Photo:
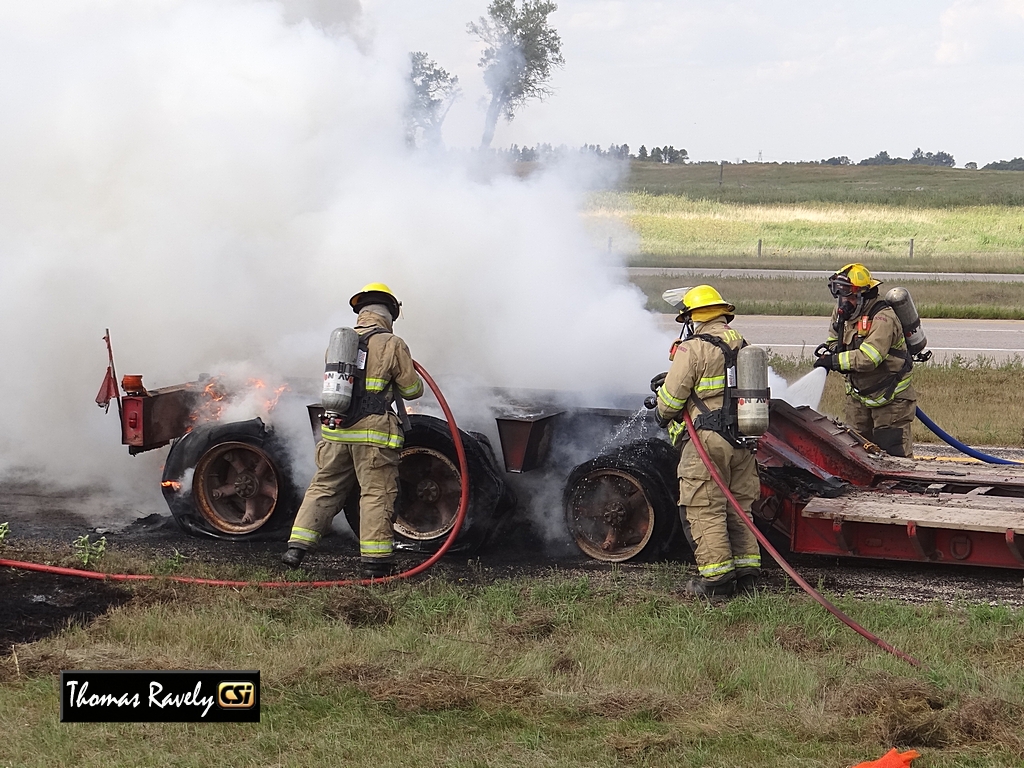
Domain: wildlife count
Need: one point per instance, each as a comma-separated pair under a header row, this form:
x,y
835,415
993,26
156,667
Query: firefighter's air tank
x,y
901,303
339,369
752,391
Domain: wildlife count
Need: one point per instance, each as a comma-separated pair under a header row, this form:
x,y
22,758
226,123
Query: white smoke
x,y
212,179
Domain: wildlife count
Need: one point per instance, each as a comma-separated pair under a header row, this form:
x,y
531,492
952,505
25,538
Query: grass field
x,y
904,186
673,230
815,217
608,669
789,296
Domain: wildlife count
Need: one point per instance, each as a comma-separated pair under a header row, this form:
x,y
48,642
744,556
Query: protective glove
x,y
825,348
663,422
657,381
826,361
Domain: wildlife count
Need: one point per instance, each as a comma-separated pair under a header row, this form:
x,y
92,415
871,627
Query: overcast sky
x,y
791,79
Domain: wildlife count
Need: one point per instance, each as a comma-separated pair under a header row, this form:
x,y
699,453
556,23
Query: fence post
x,y
759,247
911,247
721,170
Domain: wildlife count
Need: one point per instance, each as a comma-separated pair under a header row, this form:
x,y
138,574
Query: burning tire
x,y
622,505
429,489
230,481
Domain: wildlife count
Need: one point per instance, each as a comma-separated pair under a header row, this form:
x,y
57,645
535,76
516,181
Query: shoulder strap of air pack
x,y
365,403
722,420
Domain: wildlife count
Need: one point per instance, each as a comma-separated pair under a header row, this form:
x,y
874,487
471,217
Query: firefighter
x,y
365,448
727,553
866,343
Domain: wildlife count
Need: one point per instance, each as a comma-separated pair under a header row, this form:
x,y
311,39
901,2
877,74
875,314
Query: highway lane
x,y
994,339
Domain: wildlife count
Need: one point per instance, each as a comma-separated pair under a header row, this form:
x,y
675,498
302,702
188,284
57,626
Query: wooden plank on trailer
x,y
926,512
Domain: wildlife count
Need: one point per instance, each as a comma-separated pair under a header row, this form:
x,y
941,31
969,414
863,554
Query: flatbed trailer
x,y
864,503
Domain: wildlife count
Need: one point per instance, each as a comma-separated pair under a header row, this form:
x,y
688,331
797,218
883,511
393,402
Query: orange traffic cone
x,y
892,759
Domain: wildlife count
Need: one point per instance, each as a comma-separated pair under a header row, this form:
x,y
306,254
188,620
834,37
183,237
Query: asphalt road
x,y
809,274
994,339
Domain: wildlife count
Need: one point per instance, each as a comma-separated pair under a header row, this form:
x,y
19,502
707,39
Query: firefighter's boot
x,y
293,557
747,583
710,589
377,567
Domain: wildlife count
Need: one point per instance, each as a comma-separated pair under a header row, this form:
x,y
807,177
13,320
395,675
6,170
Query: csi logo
x,y
232,695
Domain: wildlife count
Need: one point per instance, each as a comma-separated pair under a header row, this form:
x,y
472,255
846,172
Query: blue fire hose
x,y
962,447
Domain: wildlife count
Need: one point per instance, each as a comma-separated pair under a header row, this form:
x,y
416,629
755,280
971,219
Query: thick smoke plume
x,y
212,179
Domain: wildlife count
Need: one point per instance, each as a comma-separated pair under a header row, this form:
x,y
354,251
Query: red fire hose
x,y
459,517
780,560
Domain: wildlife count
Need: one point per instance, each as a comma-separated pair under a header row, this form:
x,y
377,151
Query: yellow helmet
x,y
851,279
376,293
704,297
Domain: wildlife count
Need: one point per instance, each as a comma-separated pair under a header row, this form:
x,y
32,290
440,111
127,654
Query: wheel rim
x,y
236,487
609,515
430,492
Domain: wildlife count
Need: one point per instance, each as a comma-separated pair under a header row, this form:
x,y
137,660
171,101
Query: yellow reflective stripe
x,y
844,361
709,383
375,385
716,569
900,343
748,561
413,391
363,436
376,547
304,534
676,430
875,402
873,354
670,402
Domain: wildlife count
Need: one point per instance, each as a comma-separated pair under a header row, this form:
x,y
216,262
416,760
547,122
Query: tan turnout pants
x,y
725,547
339,466
876,424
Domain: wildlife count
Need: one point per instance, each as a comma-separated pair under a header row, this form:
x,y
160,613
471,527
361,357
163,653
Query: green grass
x,y
606,670
772,184
975,401
674,230
789,296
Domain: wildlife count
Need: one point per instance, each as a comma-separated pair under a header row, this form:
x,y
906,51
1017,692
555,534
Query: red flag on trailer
x,y
108,390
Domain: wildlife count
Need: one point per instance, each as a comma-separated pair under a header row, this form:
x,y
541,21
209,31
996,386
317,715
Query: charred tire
x,y
429,490
231,481
622,505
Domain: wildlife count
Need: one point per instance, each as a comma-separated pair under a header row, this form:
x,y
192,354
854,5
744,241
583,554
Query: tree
x,y
641,154
434,90
928,158
1016,164
521,50
656,155
841,160
672,155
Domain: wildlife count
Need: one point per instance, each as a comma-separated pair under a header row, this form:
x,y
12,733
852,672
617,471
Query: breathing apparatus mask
x,y
687,331
849,298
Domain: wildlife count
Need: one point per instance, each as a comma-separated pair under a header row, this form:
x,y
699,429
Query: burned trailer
x,y
827,491
612,495
603,477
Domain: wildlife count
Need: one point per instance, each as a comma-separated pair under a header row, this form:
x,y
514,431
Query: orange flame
x,y
172,484
271,404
